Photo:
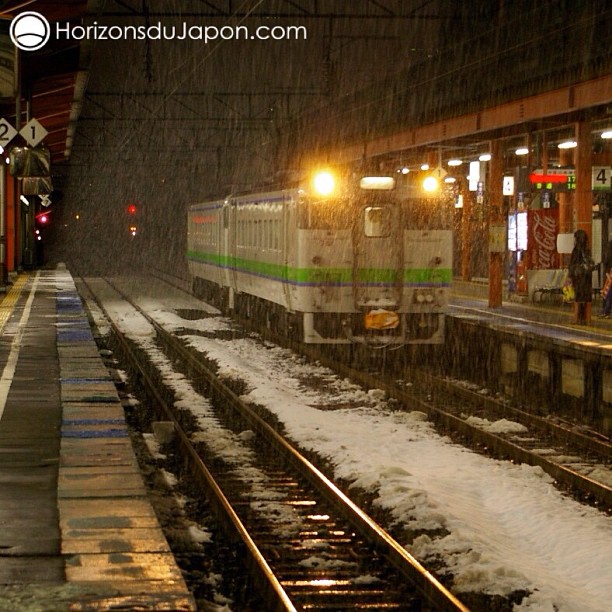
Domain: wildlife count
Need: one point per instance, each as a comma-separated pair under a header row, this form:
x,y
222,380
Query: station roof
x,y
52,79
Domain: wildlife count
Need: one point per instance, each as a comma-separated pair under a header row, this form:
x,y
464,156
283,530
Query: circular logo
x,y
30,31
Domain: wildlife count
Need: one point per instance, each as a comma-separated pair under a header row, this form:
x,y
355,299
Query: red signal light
x,y
131,209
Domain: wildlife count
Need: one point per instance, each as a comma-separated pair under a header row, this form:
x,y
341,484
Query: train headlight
x,y
324,183
430,184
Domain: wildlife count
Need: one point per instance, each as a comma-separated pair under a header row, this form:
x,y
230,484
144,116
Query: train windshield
x,y
427,213
328,214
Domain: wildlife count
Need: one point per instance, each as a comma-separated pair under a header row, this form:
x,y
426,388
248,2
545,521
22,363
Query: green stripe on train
x,y
318,275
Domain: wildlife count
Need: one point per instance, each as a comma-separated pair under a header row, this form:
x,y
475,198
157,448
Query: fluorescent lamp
x,y
568,144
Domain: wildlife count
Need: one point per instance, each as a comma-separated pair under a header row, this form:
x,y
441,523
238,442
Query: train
x,y
327,261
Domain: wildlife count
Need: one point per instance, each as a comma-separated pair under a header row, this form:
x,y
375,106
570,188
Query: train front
x,y
383,279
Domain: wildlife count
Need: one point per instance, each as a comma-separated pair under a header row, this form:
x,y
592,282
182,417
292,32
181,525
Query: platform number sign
x,y
602,178
33,132
7,133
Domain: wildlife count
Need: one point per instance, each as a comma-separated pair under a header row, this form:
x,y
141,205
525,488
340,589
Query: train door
x,y
288,226
229,249
377,256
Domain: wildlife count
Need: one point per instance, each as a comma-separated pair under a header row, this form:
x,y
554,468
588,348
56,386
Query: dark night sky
x,y
167,123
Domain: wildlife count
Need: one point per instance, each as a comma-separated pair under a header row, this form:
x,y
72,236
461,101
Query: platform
x,y
76,528
535,353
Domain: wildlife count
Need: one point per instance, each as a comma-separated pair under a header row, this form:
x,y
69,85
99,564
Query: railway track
x,y
308,546
578,459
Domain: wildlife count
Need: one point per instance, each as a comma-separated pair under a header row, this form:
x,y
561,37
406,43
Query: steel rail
x,y
273,592
502,447
428,585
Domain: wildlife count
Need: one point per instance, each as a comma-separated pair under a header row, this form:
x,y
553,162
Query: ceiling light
x,y
568,144
485,157
522,151
607,134
454,162
405,170
424,166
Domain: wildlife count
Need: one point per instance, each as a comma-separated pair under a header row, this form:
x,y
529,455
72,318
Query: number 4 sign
x,y
601,178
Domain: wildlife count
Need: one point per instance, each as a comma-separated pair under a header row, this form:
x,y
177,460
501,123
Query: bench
x,y
548,284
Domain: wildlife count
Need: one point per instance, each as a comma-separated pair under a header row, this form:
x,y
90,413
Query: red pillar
x,y
466,233
583,199
11,198
496,221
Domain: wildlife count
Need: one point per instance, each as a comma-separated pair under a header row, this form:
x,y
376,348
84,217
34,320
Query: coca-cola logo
x,y
544,234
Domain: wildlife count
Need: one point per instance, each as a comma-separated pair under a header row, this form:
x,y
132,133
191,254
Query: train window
x,y
325,214
268,234
377,221
240,236
259,243
426,214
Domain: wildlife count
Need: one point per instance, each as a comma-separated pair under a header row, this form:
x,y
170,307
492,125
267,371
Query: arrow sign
x,y
45,200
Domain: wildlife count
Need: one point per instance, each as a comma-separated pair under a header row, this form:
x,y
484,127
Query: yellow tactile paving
x,y
7,305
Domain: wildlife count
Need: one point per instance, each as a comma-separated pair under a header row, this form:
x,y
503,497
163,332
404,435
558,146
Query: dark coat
x,y
581,267
608,260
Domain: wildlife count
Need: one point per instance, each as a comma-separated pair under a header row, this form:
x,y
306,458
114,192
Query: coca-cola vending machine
x,y
542,230
532,241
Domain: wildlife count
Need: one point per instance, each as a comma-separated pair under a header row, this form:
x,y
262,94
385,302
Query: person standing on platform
x,y
581,267
606,290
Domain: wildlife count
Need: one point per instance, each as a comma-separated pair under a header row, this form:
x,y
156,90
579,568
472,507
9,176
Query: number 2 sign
x,y
7,133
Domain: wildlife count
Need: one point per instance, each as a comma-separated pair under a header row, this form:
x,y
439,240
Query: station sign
x,y
564,179
508,186
7,133
601,178
33,132
497,238
554,179
438,173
